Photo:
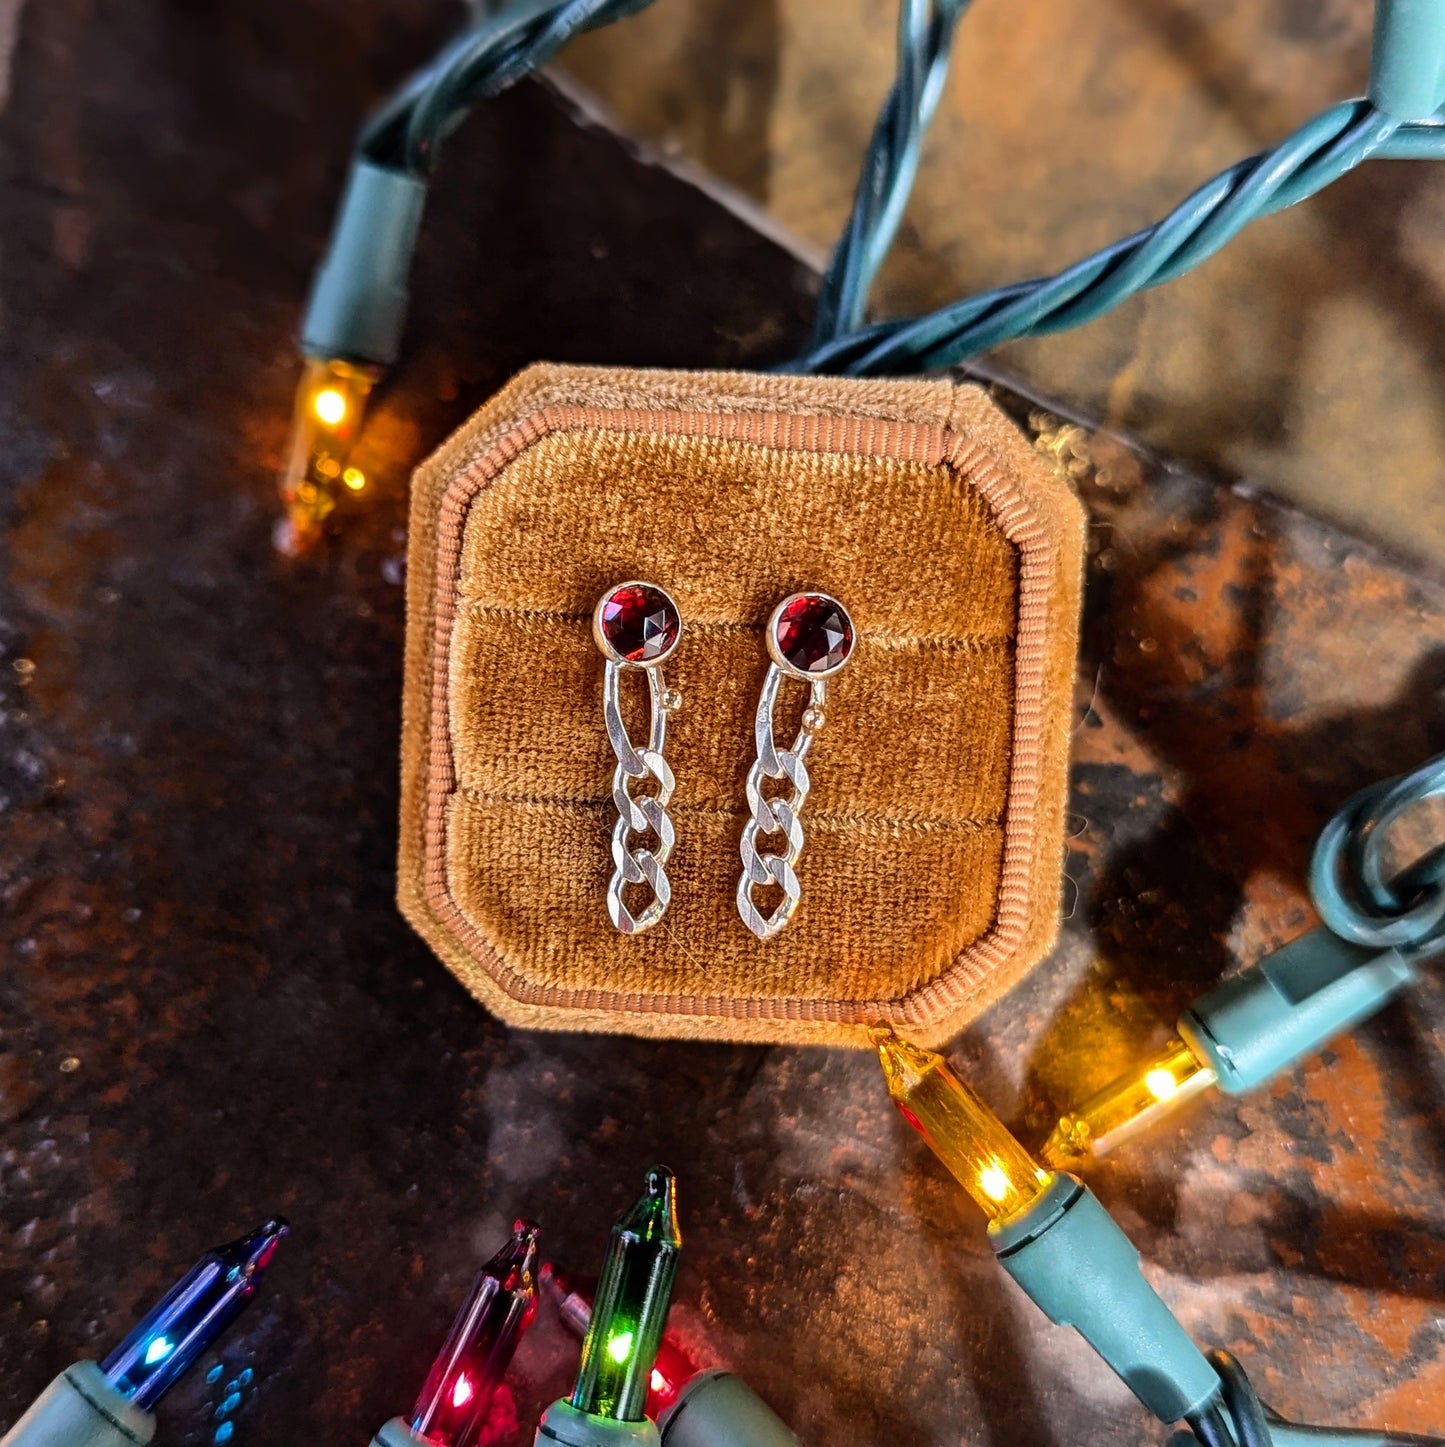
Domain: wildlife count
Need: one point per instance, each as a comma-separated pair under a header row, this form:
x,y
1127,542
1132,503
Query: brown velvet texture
x,y
933,850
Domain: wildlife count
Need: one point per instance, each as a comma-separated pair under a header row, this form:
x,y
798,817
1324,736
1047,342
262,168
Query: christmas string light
x,y
634,1291
191,1315
1128,1105
110,1405
1379,924
353,323
454,1401
673,1367
630,1310
1052,1235
351,331
330,403
693,1405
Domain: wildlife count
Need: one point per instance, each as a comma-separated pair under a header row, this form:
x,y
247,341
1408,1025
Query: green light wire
x,y
498,51
1320,152
358,302
1354,889
1237,1418
890,165
1399,120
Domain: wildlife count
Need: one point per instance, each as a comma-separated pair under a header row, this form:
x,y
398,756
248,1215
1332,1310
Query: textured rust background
x,y
211,1010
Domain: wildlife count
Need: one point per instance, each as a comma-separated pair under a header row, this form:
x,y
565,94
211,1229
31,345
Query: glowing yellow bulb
x,y
330,406
963,1132
994,1181
1133,1102
620,1346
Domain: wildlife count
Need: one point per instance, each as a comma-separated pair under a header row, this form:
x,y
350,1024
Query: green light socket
x,y
1288,1005
717,1409
1407,58
398,1433
562,1425
1069,1255
80,1408
358,301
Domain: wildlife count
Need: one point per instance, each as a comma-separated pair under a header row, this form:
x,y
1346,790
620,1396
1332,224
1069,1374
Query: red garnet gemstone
x,y
814,633
639,622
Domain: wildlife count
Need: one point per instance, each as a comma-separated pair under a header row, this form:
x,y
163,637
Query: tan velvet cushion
x,y
932,862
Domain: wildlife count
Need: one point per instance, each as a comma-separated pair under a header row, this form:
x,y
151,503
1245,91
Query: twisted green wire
x,y
496,53
890,165
1237,1418
1355,890
1320,152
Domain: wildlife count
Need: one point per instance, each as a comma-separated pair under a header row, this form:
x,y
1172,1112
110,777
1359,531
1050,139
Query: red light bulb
x,y
498,1309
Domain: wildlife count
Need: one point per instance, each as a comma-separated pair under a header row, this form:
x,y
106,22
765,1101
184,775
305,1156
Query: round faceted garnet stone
x,y
814,634
639,622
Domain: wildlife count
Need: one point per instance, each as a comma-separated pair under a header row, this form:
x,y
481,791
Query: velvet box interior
x,y
934,829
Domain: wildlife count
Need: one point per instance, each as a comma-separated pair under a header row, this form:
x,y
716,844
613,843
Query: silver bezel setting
x,y
775,651
609,652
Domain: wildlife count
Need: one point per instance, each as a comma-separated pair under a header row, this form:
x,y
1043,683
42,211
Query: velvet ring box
x,y
934,830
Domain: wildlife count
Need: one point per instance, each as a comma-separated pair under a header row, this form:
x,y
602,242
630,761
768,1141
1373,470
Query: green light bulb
x,y
630,1311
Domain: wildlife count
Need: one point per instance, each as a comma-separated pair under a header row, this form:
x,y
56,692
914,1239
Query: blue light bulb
x,y
190,1316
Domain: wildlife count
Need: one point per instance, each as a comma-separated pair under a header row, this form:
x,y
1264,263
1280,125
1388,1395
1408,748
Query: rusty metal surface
x,y
211,1010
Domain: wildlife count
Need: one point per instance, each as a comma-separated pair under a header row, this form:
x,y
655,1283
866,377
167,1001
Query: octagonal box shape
x,y
934,830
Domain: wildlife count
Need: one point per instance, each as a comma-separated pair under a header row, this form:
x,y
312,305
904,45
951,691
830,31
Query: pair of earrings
x,y
637,625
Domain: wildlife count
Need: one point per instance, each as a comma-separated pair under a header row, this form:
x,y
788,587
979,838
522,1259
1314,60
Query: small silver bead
x,y
814,719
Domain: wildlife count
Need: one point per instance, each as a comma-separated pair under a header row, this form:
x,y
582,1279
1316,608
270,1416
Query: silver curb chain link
x,y
637,865
777,815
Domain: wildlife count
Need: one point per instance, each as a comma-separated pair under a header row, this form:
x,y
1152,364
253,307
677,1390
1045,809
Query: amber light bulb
x,y
1129,1105
962,1131
330,403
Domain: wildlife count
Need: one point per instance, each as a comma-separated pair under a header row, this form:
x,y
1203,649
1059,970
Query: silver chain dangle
x,y
636,625
810,638
777,815
634,864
